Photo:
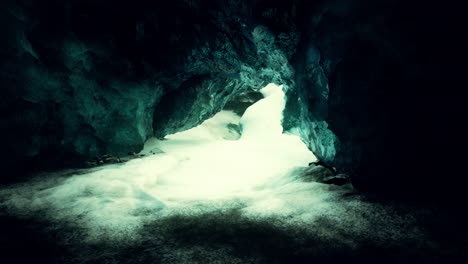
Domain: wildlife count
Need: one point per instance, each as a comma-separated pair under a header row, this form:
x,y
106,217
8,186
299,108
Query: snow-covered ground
x,y
203,168
209,171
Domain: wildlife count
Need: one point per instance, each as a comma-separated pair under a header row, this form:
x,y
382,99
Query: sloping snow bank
x,y
198,169
200,194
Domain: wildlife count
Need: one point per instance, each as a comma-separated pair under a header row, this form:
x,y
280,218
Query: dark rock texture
x,y
81,79
371,85
372,78
241,102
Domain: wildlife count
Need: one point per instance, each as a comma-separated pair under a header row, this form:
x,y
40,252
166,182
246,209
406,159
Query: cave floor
x,y
100,216
317,223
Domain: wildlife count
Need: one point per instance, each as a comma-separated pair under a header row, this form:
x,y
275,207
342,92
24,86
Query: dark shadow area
x,y
229,237
241,102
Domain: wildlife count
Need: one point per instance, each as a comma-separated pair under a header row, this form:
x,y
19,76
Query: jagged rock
x,y
105,159
108,159
321,163
91,163
154,151
241,102
339,179
75,83
234,132
319,173
366,83
316,173
366,102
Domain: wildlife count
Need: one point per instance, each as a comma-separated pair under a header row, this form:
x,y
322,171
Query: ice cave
x,y
231,131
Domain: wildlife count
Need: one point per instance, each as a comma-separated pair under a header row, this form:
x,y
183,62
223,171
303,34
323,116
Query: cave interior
x,y
232,131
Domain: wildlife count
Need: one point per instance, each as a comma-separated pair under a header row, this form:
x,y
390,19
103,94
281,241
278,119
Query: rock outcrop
x,y
82,79
369,83
371,79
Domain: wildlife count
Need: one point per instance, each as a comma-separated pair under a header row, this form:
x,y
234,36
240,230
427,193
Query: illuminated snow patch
x,y
203,185
211,168
200,169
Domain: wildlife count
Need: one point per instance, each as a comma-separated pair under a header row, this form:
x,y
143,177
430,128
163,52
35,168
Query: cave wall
x,y
81,79
373,81
370,84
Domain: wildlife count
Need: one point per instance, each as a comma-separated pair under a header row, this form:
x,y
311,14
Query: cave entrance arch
x,y
229,153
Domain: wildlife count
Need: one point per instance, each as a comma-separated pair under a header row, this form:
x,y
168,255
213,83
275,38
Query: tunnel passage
x,y
374,90
186,171
361,86
208,192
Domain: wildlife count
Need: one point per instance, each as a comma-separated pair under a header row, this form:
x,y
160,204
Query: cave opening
x,y
143,132
229,154
234,189
226,160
